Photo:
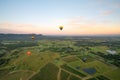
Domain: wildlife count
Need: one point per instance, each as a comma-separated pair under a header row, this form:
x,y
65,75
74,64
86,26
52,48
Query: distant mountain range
x,y
19,36
40,36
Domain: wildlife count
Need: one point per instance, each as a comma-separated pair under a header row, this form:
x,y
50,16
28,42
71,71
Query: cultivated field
x,y
60,59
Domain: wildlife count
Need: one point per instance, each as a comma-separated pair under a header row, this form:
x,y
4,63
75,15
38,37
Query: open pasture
x,y
70,58
99,66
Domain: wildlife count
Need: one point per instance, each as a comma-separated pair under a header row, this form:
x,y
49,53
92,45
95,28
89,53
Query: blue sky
x,y
79,17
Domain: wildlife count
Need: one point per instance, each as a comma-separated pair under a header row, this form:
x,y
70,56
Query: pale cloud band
x,y
78,26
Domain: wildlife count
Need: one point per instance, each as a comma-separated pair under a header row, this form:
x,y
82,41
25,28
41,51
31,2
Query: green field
x,y
64,75
54,59
70,69
49,71
99,66
24,75
70,58
114,74
31,62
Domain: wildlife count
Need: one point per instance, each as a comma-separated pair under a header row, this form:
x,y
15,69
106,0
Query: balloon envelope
x,y
61,27
28,53
33,37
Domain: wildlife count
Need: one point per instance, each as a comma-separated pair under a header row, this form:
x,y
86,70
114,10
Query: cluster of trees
x,y
3,61
113,59
84,43
19,36
2,52
21,44
111,44
62,49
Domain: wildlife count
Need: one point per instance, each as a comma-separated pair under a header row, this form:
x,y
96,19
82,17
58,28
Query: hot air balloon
x,y
33,37
28,53
61,27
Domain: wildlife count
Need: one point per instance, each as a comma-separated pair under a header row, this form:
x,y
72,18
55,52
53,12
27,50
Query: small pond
x,y
90,70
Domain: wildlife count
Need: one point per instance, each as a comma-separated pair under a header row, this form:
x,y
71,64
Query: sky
x,y
78,17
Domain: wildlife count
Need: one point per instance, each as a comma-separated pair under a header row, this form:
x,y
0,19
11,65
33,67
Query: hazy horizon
x,y
78,17
61,35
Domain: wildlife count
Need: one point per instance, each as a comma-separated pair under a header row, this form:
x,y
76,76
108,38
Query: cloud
x,y
17,28
10,31
116,5
92,26
12,25
106,13
81,22
73,26
6,24
25,28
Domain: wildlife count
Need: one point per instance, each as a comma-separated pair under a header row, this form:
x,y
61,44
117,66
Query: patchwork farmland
x,y
66,59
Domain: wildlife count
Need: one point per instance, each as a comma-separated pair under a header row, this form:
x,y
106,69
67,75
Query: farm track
x,y
71,73
31,75
58,75
68,78
86,77
24,70
19,71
